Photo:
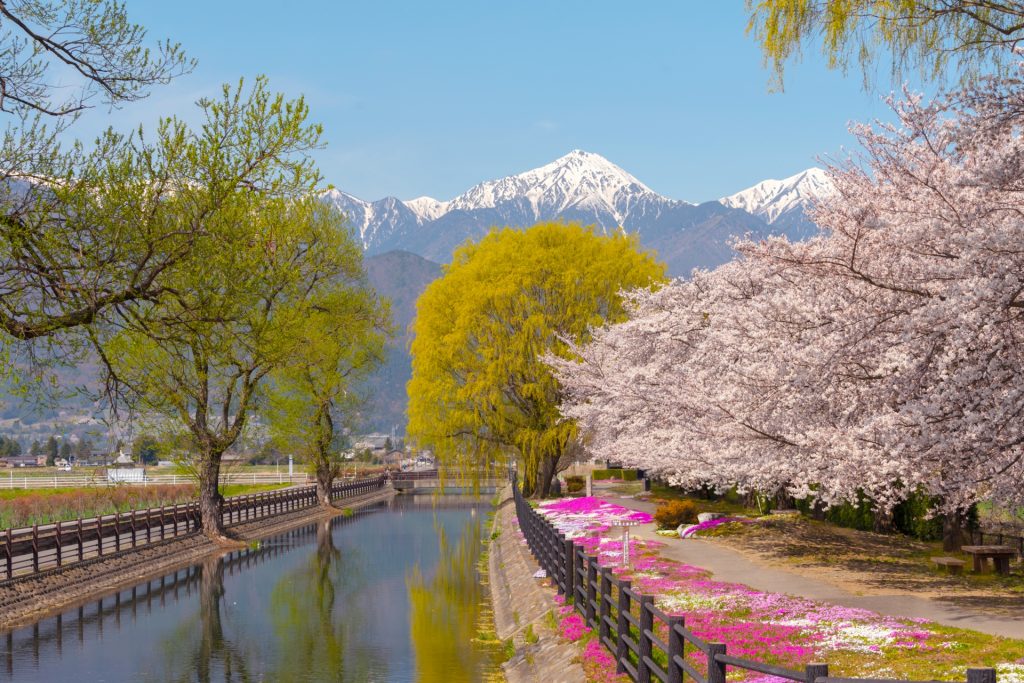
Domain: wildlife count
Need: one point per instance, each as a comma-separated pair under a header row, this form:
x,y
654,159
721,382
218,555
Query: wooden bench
x,y
1000,554
951,564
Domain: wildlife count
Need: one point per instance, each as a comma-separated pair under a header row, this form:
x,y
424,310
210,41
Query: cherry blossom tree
x,y
880,357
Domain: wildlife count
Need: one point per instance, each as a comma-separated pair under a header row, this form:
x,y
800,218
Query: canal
x,y
391,593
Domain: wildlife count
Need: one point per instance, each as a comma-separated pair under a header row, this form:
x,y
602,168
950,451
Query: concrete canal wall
x,y
521,604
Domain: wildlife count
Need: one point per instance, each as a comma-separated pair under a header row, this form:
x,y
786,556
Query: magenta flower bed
x,y
577,516
768,627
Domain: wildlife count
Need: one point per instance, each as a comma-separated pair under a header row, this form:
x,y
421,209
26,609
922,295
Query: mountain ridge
x,y
587,188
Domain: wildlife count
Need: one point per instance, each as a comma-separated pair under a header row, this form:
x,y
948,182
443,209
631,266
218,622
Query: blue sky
x,y
429,98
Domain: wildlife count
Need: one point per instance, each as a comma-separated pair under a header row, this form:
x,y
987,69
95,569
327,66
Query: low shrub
x,y
672,513
575,483
625,475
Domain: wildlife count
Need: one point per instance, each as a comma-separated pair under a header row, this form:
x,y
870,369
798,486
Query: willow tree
x,y
922,35
342,342
479,387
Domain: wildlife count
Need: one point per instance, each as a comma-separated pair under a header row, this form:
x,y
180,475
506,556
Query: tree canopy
x,y
479,388
882,357
922,35
270,252
317,393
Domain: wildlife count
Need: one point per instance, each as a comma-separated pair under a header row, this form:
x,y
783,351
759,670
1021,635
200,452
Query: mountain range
x,y
586,187
406,241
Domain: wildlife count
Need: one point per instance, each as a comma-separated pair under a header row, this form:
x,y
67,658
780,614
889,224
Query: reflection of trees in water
x,y
445,611
313,631
200,651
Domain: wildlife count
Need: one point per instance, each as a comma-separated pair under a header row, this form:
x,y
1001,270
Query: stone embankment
x,y
521,607
27,600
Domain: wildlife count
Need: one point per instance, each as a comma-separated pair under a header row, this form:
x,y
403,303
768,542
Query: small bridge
x,y
446,481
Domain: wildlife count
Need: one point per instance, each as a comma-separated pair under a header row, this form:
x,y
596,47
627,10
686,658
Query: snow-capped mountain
x,y
783,202
584,187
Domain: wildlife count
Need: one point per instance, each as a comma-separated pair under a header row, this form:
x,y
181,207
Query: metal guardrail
x,y
628,623
43,547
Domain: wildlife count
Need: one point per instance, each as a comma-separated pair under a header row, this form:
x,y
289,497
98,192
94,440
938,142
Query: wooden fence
x,y
45,547
647,644
99,479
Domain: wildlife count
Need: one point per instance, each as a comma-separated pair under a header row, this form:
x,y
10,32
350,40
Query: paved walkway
x,y
726,564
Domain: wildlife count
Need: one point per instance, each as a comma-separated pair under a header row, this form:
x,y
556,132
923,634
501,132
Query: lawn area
x,y
773,628
860,561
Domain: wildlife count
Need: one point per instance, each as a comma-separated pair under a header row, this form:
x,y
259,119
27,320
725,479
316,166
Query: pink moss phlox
x,y
576,516
571,627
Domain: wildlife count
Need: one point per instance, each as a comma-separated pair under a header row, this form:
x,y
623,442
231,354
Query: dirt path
x,y
821,562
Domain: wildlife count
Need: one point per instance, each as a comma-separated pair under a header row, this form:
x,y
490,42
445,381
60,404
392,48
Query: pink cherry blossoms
x,y
883,356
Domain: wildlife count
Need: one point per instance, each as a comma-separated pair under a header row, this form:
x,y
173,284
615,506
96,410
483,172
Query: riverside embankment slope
x,y
27,600
521,604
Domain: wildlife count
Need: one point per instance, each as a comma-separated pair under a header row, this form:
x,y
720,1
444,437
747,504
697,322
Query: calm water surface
x,y
390,594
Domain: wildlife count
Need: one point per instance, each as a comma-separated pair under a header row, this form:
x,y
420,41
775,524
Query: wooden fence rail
x,y
43,547
647,644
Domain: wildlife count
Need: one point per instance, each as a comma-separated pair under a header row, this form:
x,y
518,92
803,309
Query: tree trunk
x,y
545,471
954,532
883,521
211,503
324,483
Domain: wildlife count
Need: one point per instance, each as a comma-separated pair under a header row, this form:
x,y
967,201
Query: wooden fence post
x,y
60,549
716,670
622,624
568,553
81,541
676,648
603,597
35,548
643,671
979,675
591,589
10,556
99,534
117,533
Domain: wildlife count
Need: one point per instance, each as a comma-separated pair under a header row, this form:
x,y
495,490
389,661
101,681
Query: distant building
x,y
24,461
375,443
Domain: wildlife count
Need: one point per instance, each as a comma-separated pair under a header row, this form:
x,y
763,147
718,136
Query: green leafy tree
x,y
65,450
52,451
146,450
83,449
67,252
479,386
240,304
9,447
922,35
315,393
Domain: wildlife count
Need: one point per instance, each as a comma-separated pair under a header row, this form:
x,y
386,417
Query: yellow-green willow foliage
x,y
480,389
922,35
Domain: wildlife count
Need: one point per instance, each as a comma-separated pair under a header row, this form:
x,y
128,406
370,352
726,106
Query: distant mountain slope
x,y
783,203
587,188
401,277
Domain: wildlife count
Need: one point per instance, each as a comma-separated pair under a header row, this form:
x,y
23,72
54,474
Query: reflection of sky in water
x,y
308,606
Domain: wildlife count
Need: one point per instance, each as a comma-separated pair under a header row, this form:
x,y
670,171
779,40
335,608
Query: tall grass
x,y
25,508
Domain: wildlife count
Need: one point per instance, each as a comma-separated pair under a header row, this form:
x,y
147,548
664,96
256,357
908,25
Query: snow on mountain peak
x,y
771,199
427,208
578,179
